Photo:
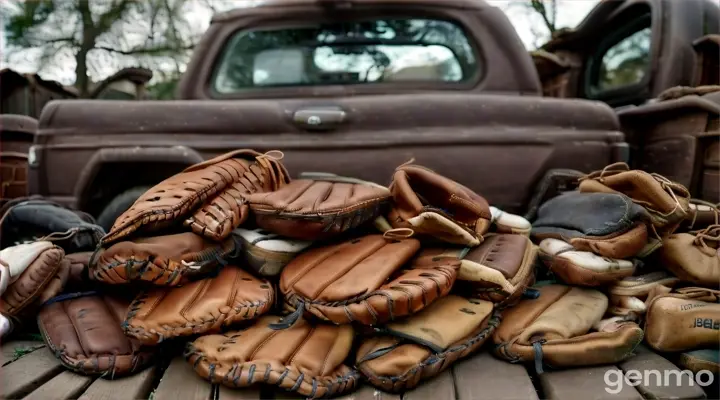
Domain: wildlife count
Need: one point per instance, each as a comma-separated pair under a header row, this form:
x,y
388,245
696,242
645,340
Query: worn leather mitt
x,y
198,307
83,330
209,197
306,359
268,253
39,263
666,201
79,276
630,296
505,222
607,224
433,205
162,260
406,352
687,319
694,257
312,209
556,329
32,219
582,268
364,280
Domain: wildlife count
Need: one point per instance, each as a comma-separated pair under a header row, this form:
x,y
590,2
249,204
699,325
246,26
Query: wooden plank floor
x,y
30,371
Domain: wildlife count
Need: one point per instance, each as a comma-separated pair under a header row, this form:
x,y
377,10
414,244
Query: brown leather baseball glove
x,y
306,359
311,209
83,331
687,319
563,327
582,268
363,280
406,352
209,196
198,307
629,297
433,205
694,256
161,260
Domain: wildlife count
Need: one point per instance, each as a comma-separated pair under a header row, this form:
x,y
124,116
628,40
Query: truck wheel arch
x,y
98,182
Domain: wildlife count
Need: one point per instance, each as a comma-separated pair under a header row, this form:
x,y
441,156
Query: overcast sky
x,y
528,25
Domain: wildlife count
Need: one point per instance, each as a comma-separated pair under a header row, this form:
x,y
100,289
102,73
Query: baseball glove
x,y
162,260
629,297
666,201
306,359
505,222
433,205
582,268
687,319
417,348
268,253
83,332
209,196
555,330
39,263
311,209
198,307
694,257
363,280
607,224
79,278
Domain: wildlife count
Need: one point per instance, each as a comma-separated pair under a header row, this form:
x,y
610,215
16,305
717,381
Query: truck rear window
x,y
362,52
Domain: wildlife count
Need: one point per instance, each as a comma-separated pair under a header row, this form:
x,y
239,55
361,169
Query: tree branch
x,y
146,50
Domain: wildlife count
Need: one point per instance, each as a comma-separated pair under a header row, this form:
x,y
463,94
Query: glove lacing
x,y
711,233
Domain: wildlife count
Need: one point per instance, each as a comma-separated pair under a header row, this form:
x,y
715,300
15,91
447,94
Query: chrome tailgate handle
x,y
321,118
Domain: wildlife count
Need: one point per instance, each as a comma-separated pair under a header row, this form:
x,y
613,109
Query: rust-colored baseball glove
x,y
367,280
311,209
406,352
198,307
433,205
307,359
83,331
169,260
209,197
582,268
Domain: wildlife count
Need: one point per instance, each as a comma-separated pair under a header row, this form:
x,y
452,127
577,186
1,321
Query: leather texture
x,y
202,196
687,319
198,307
83,332
162,260
630,296
268,253
500,269
701,214
368,280
582,268
433,205
666,201
505,222
308,209
694,257
79,270
403,354
701,360
43,262
608,224
306,359
556,329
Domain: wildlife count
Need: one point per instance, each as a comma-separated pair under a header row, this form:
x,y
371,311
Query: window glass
x,y
627,62
386,50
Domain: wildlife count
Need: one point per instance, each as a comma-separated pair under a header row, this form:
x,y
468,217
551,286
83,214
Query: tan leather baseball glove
x,y
209,197
268,253
564,328
169,260
433,205
83,332
630,296
686,319
311,209
307,359
408,351
582,268
198,307
694,257
367,280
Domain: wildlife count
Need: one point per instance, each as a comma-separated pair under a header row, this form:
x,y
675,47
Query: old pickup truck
x,y
356,87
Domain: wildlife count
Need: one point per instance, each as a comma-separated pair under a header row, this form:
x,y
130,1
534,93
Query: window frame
x,y
476,76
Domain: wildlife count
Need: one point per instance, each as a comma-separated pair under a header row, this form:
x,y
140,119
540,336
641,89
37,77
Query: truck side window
x,y
627,62
355,52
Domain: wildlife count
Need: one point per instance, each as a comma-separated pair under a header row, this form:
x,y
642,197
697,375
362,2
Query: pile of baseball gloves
x,y
317,283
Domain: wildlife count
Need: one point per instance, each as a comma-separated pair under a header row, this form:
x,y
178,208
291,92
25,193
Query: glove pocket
x,y
401,354
679,322
199,307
